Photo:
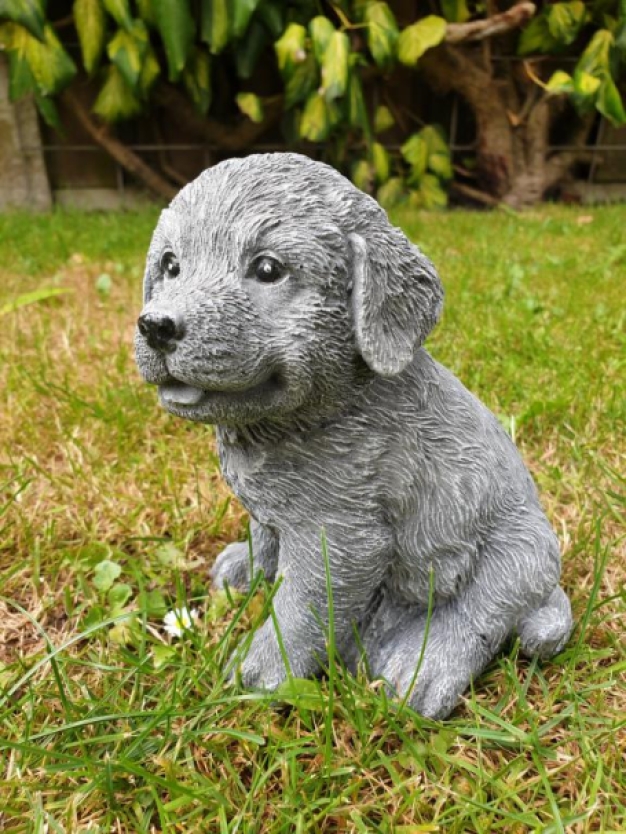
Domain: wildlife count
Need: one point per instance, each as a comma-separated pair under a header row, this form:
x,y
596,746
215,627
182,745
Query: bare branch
x,y
101,133
478,30
474,194
229,137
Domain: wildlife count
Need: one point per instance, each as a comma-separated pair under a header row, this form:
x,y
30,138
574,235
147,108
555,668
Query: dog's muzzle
x,y
160,331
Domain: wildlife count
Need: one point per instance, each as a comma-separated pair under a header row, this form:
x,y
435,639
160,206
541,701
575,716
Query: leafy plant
x,y
327,56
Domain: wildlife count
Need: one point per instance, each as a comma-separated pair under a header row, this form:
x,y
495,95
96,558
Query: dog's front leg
x,y
301,605
238,562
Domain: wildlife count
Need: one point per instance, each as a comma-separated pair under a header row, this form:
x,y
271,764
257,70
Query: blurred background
x,y
109,103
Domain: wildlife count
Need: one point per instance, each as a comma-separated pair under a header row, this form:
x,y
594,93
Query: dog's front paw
x,y
232,567
263,666
446,670
440,686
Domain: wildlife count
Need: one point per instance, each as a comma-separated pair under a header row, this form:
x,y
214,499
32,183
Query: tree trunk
x,y
513,122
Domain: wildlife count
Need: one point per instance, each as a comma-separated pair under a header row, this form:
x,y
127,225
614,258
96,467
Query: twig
x,y
474,194
229,137
477,30
101,133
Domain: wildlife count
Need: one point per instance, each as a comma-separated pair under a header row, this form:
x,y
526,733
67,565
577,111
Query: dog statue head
x,y
273,288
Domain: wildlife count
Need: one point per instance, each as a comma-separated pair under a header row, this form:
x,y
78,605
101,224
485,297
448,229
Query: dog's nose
x,y
160,331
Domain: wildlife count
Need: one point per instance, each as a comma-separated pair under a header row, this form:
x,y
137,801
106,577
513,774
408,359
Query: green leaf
x,y
215,24
176,28
290,48
146,12
33,297
251,105
565,20
21,78
584,84
391,193
303,80
116,100
433,194
382,33
439,161
152,604
430,194
49,63
336,66
162,655
301,692
250,49
383,120
415,40
150,71
90,21
362,175
357,110
415,151
104,284
536,37
559,82
118,596
380,163
95,615
106,572
120,12
171,556
197,80
321,30
47,109
271,14
242,12
317,118
219,606
455,11
127,50
609,102
124,633
595,60
619,38
26,13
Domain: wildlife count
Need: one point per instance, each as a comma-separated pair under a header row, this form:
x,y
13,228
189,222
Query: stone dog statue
x,y
282,306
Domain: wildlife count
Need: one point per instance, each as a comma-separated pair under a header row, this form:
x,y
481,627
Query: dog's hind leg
x,y
514,585
234,565
545,630
430,662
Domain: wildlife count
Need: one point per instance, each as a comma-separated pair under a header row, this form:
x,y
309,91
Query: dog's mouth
x,y
180,395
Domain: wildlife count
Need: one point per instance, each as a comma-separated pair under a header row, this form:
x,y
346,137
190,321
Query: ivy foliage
x,y
127,45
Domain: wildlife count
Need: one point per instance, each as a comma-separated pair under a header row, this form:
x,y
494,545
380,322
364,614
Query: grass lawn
x,y
112,512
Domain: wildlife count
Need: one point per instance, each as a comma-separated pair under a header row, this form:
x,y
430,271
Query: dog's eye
x,y
267,270
169,265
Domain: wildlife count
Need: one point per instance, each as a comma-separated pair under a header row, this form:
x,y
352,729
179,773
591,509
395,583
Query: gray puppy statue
x,y
282,306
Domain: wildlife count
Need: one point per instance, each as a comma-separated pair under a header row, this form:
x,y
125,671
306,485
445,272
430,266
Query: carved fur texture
x,y
282,305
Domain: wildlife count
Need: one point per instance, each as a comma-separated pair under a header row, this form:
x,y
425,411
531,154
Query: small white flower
x,y
179,620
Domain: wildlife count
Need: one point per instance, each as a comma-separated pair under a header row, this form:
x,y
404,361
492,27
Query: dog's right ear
x,y
397,297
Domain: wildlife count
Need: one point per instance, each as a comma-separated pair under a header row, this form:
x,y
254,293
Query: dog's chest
x,y
263,480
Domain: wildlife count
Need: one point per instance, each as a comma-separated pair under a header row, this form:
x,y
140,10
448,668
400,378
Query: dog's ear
x,y
397,297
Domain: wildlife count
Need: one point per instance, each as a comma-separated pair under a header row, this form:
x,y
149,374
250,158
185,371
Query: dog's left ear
x,y
397,297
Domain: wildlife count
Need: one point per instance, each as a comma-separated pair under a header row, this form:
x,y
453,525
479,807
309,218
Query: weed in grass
x,y
111,512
